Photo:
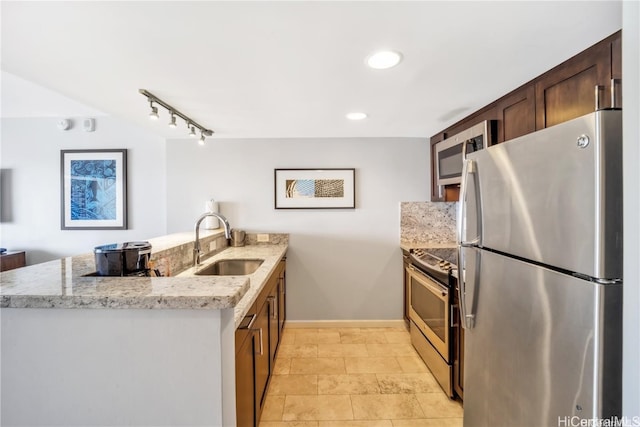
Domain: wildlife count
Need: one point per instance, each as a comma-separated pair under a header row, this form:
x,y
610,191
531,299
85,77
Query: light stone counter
x,y
407,246
272,254
168,340
64,283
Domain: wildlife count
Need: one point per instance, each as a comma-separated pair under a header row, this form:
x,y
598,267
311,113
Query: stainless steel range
x,y
433,273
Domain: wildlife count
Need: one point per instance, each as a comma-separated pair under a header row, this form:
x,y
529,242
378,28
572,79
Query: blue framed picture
x,y
94,189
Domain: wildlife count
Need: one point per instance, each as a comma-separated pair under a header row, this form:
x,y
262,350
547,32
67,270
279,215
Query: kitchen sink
x,y
231,267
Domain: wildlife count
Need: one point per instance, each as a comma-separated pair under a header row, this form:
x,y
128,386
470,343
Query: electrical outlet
x,y
263,237
213,245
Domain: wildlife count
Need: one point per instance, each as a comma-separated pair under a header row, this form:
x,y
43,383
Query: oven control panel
x,y
439,263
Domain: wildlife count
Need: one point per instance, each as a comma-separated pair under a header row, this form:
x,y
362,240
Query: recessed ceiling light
x,y
356,116
384,59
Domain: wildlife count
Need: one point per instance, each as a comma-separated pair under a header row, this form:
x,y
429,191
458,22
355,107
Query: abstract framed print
x,y
93,189
315,189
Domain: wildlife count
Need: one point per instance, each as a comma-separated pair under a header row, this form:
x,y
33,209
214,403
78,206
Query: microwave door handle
x,y
465,143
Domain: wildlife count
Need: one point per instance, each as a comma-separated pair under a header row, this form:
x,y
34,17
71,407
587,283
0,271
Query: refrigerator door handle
x,y
467,318
462,210
468,168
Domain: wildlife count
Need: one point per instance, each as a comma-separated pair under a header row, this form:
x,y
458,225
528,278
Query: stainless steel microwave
x,y
452,151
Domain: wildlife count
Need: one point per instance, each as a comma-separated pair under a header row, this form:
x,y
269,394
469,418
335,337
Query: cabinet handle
x,y
252,329
614,98
598,88
261,345
273,302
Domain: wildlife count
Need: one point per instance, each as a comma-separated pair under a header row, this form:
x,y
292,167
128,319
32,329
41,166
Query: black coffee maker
x,y
123,259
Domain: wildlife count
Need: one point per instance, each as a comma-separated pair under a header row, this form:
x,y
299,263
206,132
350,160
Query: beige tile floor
x,y
354,377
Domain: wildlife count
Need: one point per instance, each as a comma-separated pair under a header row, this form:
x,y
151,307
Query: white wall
x,y
631,147
86,367
30,203
342,264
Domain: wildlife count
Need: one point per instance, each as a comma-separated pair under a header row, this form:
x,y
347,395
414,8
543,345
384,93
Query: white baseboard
x,y
346,324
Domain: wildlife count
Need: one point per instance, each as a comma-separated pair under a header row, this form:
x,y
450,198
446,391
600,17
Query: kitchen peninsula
x,y
78,349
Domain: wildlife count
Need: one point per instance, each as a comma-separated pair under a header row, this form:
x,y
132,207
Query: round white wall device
x,y
64,124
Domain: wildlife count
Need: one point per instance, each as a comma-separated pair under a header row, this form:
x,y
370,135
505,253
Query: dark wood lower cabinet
x,y
257,341
458,349
262,354
274,333
406,281
283,298
245,385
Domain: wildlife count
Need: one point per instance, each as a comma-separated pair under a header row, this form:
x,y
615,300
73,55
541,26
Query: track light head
x,y
192,132
201,141
153,115
172,123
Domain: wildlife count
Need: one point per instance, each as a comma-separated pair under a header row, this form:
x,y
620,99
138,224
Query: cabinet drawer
x,y
243,332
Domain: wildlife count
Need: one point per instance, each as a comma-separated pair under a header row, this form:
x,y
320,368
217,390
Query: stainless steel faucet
x,y
196,244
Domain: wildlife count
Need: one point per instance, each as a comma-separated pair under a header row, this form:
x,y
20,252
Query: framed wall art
x,y
315,189
93,189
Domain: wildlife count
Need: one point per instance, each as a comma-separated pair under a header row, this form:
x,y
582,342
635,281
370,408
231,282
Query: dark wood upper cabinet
x,y
516,113
576,87
588,81
616,68
437,191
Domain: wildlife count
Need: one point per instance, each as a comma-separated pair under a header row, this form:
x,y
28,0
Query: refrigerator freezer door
x,y
555,196
545,346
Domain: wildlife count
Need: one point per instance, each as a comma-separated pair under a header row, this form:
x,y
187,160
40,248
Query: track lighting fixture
x,y
191,124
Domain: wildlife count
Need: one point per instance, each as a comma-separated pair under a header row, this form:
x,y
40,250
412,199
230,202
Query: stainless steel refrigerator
x,y
540,270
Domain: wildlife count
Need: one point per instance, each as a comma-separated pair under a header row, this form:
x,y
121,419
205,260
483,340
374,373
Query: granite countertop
x,y
407,246
272,254
64,283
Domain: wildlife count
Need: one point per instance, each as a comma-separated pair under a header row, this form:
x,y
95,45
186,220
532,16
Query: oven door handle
x,y
429,284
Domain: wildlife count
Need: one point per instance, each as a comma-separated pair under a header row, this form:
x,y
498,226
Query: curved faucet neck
x,y
196,243
225,223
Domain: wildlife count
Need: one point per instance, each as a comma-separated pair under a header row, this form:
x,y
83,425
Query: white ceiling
x,y
289,69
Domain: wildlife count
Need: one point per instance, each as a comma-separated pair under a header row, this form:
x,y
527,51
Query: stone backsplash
x,y
423,223
274,239
176,258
